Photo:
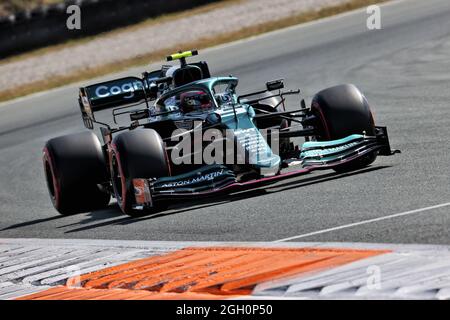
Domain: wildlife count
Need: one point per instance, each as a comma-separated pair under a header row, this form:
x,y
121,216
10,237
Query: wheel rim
x,y
321,123
49,178
117,180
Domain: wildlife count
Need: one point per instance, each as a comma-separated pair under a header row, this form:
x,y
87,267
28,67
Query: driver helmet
x,y
195,101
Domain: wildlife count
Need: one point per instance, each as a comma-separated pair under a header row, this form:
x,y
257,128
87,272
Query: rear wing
x,y
129,91
110,94
115,93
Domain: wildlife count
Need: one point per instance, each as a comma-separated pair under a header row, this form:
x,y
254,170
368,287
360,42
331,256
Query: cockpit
x,y
199,98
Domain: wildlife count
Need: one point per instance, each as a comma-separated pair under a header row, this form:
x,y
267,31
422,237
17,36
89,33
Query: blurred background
x,y
30,24
9,7
38,51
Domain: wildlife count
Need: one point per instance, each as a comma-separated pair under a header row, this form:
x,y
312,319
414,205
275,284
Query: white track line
x,y
365,222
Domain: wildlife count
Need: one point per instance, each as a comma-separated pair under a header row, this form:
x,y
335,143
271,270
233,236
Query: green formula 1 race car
x,y
190,135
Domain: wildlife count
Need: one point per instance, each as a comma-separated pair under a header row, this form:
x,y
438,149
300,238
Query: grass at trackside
x,y
160,54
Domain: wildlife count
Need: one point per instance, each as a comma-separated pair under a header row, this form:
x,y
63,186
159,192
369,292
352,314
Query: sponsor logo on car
x,y
128,88
205,177
327,151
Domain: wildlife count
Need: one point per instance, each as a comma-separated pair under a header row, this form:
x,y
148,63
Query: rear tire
x,y
136,154
342,111
75,168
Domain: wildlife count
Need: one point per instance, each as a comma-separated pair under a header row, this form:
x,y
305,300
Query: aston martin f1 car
x,y
189,135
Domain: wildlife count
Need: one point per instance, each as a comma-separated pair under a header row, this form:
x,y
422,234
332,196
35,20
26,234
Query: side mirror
x,y
303,104
275,85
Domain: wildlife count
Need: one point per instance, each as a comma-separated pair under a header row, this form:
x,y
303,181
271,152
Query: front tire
x,y
136,154
75,170
342,111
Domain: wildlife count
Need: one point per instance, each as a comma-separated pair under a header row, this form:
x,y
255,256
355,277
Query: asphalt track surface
x,y
404,71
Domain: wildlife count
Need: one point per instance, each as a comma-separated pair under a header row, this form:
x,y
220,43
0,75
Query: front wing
x,y
220,179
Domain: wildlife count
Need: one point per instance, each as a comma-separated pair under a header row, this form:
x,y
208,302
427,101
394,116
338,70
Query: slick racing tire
x,y
136,154
342,111
75,170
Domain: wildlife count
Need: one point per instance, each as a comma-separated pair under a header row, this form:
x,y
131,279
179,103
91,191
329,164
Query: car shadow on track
x,y
108,213
31,223
174,209
112,211
190,205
